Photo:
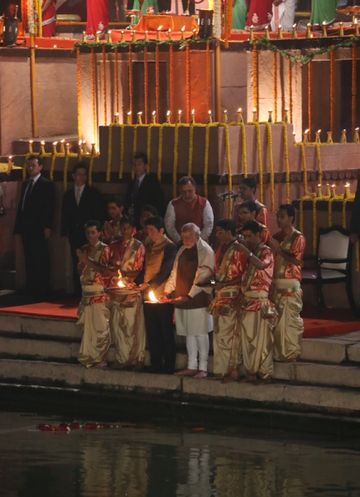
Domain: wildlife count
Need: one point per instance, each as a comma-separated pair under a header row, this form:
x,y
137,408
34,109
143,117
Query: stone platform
x,y
43,352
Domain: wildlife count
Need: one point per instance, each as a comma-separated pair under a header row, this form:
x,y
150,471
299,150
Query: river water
x,y
152,461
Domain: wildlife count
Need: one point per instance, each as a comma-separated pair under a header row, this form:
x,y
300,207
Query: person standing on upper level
x,y
189,207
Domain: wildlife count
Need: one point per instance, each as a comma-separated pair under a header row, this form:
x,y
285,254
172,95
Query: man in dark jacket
x,y
144,189
80,203
34,220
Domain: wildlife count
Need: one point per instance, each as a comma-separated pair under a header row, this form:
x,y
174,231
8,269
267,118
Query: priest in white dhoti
x,y
193,268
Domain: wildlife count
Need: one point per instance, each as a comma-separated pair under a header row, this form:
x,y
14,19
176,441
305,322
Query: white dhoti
x,y
95,342
290,326
195,325
127,326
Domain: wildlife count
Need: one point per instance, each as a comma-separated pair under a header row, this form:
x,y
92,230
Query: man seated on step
x,y
252,346
229,267
247,192
288,246
188,288
188,207
247,211
93,311
126,306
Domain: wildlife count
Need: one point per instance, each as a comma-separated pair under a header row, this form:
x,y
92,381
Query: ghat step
x,y
287,396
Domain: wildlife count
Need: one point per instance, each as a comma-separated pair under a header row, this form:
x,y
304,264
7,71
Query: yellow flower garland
x,y
160,152
191,147
244,162
206,158
314,225
122,151
148,144
286,162
271,164
304,167
176,158
109,154
319,161
228,163
260,161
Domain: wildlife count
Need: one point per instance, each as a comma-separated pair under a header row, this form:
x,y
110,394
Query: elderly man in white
x,y
186,287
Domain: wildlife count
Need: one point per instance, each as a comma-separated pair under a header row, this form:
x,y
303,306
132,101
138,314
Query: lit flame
x,y
120,282
152,297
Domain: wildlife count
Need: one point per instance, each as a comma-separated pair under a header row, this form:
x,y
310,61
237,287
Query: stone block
x,y
353,352
323,350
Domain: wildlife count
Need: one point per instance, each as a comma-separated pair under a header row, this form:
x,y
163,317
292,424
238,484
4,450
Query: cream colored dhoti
x,y
95,342
257,340
290,326
128,331
224,332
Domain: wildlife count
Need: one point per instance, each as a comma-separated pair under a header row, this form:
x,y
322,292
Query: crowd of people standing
x,y
147,267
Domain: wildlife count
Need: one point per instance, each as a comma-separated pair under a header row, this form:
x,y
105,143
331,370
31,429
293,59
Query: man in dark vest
x,y
34,222
189,207
80,203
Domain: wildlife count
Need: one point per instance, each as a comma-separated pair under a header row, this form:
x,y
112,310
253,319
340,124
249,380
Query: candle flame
x,y
121,284
152,297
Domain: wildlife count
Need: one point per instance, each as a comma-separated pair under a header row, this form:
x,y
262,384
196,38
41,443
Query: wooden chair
x,y
333,262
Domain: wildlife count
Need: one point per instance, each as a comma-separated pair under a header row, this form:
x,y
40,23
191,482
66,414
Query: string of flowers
x,y
160,152
187,82
93,92
275,85
78,92
228,15
228,164
244,161
259,161
122,151
104,85
319,161
206,158
109,153
286,161
291,102
332,90
304,167
314,225
171,78
146,85
130,78
157,80
176,158
271,164
117,85
191,147
353,86
208,69
309,97
52,165
135,137
255,67
148,143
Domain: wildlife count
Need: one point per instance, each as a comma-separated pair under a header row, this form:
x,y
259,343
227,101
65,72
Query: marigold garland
x,y
157,80
206,158
309,98
160,152
117,82
148,144
176,158
301,215
304,167
208,70
332,90
146,85
255,69
187,82
244,161
353,86
109,153
271,165
275,85
122,151
66,169
78,92
191,148
228,163
314,225
291,100
52,166
104,85
130,78
135,136
259,161
171,79
286,161
343,213
319,161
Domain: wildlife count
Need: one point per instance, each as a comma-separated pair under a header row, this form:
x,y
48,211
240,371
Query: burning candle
x,y
255,118
93,150
193,115
116,118
294,31
152,297
319,191
182,32
62,146
169,34
54,147
347,193
239,116
31,150
324,28
225,116
328,190
333,191
168,116
179,115
306,136
158,32
153,116
318,136
42,148
356,136
108,37
270,119
280,31
139,117
343,138
329,138
210,116
129,117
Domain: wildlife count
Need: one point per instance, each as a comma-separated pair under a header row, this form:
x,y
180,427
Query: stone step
x,y
275,395
21,146
332,350
299,372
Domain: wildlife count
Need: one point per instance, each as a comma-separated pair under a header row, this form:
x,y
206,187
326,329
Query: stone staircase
x,y
43,351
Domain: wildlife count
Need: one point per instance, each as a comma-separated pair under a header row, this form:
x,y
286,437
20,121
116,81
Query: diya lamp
x,y
255,116
239,116
225,116
139,117
306,136
329,138
270,118
210,119
153,115
129,117
168,116
179,116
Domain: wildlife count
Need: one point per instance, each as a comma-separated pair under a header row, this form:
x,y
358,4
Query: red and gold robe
x,y
287,296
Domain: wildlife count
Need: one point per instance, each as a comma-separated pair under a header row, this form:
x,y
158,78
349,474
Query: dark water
x,y
150,461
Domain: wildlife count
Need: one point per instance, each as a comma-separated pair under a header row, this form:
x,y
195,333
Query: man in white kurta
x,y
194,265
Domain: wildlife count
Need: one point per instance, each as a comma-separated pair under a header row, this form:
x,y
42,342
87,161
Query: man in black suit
x,y
144,189
34,221
80,203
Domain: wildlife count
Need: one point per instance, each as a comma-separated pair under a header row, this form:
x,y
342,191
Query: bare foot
x,y
186,372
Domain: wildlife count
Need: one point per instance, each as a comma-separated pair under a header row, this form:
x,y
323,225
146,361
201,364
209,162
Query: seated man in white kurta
x,y
194,265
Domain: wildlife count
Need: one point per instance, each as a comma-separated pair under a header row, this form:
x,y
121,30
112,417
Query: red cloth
x,y
259,13
97,16
49,20
189,212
